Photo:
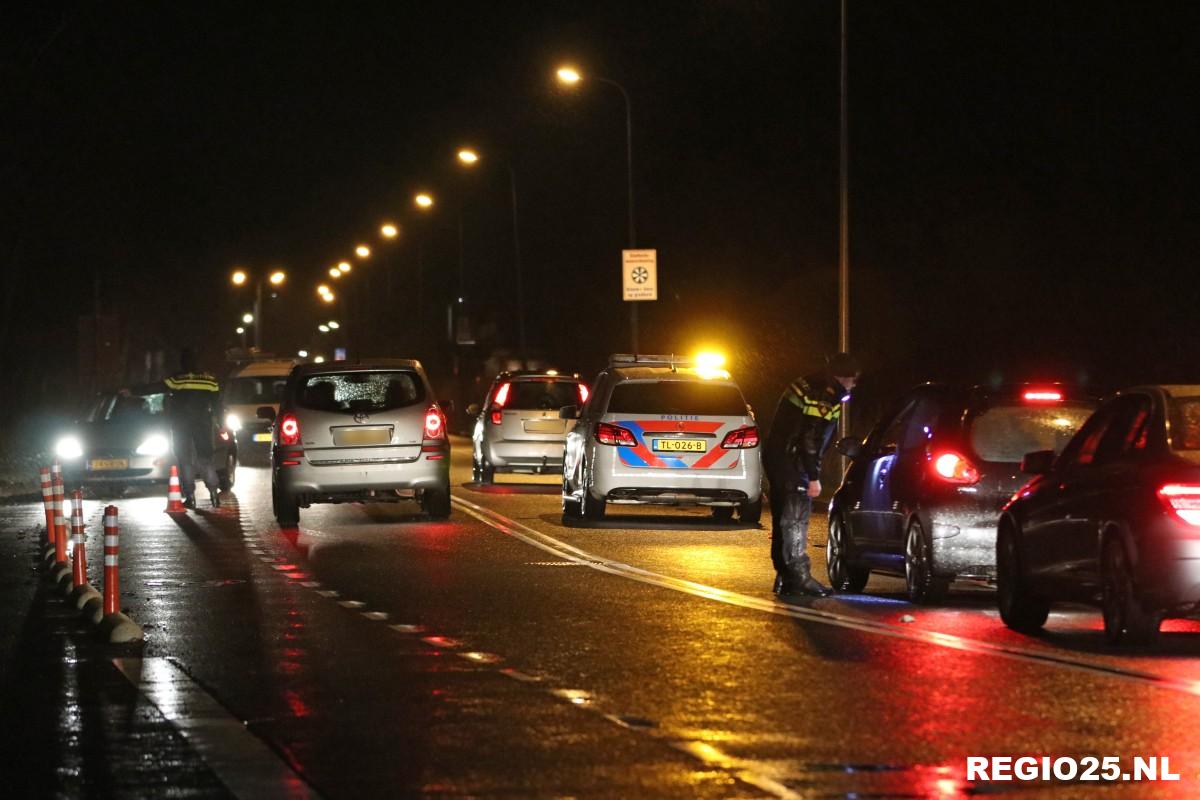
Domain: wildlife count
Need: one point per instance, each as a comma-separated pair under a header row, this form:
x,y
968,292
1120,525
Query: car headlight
x,y
154,445
232,422
68,447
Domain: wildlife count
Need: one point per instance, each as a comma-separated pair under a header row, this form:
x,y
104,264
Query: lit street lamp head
x,y
568,76
362,251
389,231
328,297
344,267
238,277
247,318
323,289
277,277
423,200
334,272
468,156
323,328
240,329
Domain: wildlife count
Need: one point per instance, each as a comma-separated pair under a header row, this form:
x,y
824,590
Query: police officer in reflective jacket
x,y
804,425
193,408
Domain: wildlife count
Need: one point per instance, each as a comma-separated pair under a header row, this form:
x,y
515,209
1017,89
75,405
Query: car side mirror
x,y
473,410
849,447
568,412
265,412
1038,462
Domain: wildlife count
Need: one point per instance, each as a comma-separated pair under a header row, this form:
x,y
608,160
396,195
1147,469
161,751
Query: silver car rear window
x,y
366,392
1005,433
694,398
542,394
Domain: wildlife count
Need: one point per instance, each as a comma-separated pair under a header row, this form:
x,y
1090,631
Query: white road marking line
x,y
376,616
481,658
327,592
549,544
442,641
241,760
311,584
398,628
352,604
517,675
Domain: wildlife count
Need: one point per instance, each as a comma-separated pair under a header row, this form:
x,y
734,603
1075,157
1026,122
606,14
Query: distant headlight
x,y
155,445
68,447
232,422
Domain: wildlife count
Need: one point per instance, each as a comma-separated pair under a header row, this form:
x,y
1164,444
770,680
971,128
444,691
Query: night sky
x,y
1023,178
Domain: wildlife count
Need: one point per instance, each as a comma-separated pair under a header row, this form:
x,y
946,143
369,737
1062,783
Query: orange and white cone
x,y
81,591
175,494
114,626
48,502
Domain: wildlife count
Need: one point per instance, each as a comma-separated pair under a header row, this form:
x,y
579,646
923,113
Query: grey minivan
x,y
358,432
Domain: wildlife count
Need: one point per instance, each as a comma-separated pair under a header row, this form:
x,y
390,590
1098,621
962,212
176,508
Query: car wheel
x,y
722,513
287,510
1125,620
751,513
487,474
475,471
1019,608
436,503
592,508
923,586
844,576
227,476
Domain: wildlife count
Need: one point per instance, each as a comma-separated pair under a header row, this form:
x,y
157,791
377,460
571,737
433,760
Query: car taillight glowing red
x,y
583,392
607,433
742,437
1183,501
501,395
289,430
953,468
1042,396
435,424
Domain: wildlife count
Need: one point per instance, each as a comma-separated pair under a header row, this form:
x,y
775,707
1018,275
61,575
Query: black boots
x,y
806,584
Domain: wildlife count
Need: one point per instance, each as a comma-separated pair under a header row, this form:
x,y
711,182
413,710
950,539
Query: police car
x,y
660,430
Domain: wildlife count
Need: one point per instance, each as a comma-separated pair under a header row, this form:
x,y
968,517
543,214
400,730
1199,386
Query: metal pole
x,y
843,218
633,306
512,184
258,315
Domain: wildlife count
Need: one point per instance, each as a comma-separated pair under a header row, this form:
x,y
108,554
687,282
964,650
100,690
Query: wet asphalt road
x,y
499,654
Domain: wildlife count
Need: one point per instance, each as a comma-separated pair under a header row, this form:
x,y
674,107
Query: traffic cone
x,y
48,502
114,625
62,570
175,494
82,591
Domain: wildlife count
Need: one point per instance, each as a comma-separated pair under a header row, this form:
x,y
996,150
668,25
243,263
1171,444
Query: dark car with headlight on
x,y
924,491
124,439
1113,521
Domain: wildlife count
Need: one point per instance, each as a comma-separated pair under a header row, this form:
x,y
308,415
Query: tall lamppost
x,y
424,203
275,278
469,158
569,76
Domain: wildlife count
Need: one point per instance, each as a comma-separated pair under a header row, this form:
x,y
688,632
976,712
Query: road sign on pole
x,y
639,275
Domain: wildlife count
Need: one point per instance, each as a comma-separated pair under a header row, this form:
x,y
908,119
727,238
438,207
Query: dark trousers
x,y
192,461
791,508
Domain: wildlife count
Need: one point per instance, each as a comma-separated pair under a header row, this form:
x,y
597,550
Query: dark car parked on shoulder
x,y
924,490
1113,521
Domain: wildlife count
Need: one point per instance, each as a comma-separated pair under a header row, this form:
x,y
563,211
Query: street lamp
x,y
247,318
335,273
362,251
323,328
389,231
333,324
424,201
569,76
239,278
470,158
344,267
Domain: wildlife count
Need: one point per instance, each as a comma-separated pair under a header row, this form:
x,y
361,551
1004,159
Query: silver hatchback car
x,y
518,427
363,432
663,431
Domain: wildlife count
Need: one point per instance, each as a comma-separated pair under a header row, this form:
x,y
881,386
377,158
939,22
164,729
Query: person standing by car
x,y
804,424
193,410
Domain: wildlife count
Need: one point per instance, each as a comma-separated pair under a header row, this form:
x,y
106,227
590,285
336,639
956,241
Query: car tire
x,y
722,513
1126,621
227,476
487,474
1020,609
923,586
751,513
844,575
436,503
286,508
592,508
